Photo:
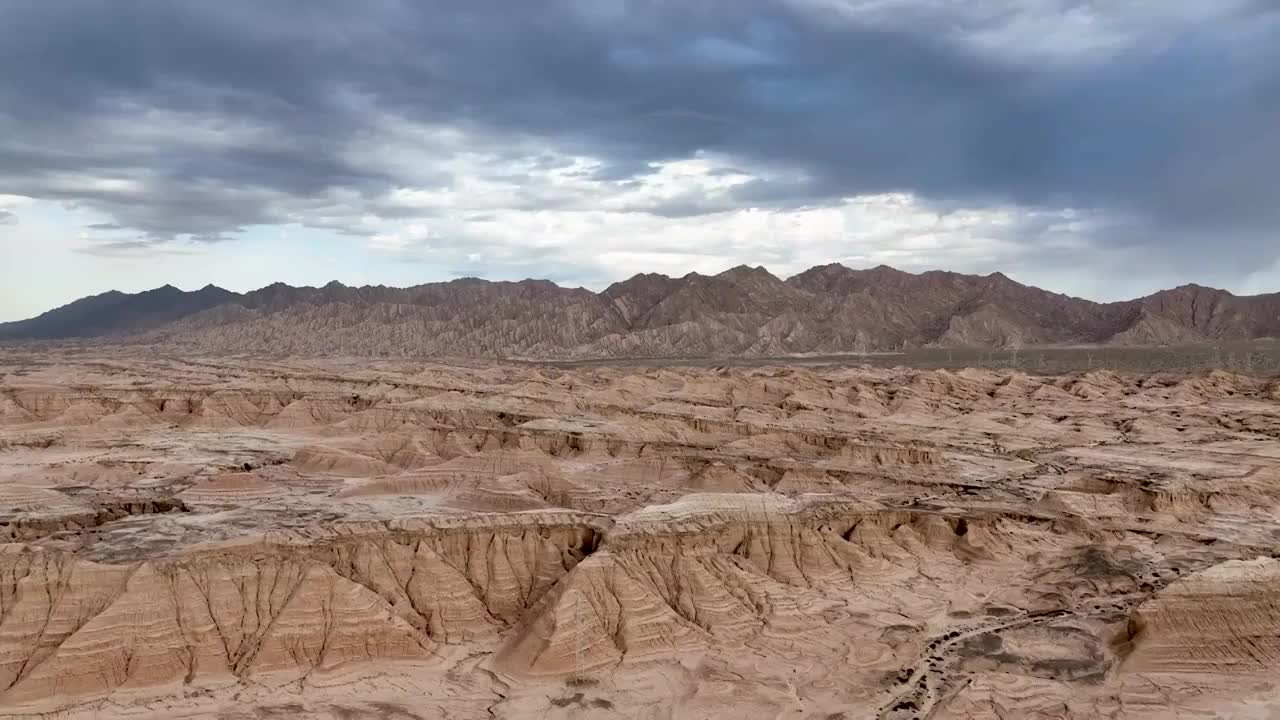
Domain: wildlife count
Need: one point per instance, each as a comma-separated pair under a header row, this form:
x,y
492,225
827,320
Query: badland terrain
x,y
192,536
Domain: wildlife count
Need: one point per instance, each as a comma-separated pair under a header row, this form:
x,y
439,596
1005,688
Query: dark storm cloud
x,y
1176,135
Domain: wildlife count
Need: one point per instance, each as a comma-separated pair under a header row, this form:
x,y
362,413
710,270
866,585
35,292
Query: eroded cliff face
x,y
230,540
203,625
268,614
555,595
732,569
1225,619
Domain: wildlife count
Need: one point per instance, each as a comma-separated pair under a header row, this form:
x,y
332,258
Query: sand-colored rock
x,y
1225,619
245,539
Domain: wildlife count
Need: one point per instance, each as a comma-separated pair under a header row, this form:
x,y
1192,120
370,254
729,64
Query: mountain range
x,y
743,311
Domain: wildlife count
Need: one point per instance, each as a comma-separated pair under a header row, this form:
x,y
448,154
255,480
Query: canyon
x,y
237,538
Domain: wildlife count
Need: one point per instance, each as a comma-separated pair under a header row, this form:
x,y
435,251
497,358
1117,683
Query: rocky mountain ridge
x,y
743,311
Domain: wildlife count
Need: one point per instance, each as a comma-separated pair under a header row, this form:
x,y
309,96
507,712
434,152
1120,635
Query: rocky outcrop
x,y
1225,619
726,569
72,630
28,513
205,623
564,594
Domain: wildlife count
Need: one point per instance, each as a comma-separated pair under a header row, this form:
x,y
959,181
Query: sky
x,y
1102,148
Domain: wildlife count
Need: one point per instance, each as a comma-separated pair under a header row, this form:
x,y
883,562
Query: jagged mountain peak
x,y
744,310
747,271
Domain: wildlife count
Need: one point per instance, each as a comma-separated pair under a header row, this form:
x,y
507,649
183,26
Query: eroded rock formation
x,y
241,539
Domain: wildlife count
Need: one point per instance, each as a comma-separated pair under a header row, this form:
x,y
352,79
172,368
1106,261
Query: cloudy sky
x,y
1103,148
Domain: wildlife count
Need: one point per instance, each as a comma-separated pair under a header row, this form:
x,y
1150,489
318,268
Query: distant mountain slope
x,y
115,312
742,311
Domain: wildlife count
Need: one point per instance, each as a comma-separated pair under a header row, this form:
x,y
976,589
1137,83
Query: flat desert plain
x,y
241,539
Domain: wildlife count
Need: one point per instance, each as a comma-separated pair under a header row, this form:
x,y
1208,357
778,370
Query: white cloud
x,y
518,207
445,171
1264,280
14,202
604,245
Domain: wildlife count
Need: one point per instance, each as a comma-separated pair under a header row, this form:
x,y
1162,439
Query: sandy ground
x,y
347,539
